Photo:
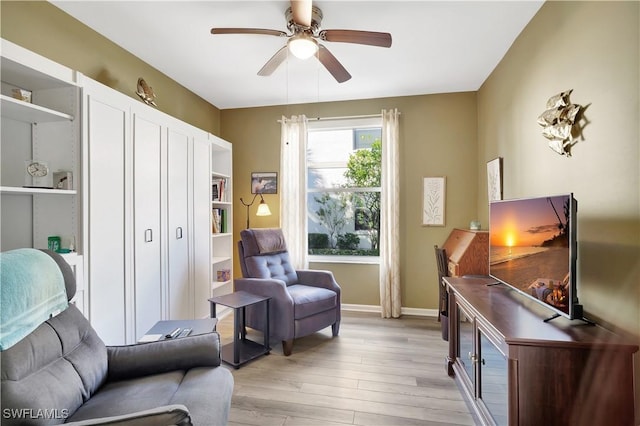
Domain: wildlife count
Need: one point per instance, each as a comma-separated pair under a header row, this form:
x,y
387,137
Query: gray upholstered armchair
x,y
302,301
55,368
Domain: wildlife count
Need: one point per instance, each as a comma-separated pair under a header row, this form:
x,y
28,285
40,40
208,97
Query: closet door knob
x,y
148,235
179,233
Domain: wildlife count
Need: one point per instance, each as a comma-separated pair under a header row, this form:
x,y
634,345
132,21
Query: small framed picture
x,y
433,201
264,183
494,179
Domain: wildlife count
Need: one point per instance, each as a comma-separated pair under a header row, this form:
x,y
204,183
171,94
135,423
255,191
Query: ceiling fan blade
x,y
248,31
301,10
332,65
370,38
273,63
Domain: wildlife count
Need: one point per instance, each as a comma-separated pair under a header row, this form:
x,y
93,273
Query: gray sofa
x,y
61,372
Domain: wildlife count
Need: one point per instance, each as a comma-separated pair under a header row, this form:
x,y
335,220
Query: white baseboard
x,y
377,309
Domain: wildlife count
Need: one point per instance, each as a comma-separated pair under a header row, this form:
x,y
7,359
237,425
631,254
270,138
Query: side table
x,y
242,350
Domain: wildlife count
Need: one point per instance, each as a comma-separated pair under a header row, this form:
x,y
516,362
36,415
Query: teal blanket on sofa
x,y
24,305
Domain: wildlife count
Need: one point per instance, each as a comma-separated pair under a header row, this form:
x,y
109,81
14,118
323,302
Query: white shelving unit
x,y
222,244
46,129
19,110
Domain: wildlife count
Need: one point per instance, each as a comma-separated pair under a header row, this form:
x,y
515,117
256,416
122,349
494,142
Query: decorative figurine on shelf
x,y
558,121
146,92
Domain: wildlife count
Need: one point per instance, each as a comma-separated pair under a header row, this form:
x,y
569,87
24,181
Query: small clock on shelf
x,y
37,174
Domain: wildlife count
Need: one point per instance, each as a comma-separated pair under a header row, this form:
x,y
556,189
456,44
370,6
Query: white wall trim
x,y
376,309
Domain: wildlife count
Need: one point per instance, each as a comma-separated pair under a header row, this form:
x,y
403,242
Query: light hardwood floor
x,y
377,372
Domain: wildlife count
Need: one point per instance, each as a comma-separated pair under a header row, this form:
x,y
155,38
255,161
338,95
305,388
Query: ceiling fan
x,y
303,22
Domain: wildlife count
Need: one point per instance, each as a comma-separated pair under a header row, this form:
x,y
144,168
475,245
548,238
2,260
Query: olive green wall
x,y
437,138
43,28
592,48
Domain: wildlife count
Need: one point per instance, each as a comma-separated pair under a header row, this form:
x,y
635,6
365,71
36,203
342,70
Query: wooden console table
x,y
516,369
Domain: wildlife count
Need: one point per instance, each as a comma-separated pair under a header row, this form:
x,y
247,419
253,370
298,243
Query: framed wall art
x,y
494,179
264,183
433,201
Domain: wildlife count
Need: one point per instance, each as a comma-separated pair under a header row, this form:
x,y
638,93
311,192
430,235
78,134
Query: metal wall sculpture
x,y
558,122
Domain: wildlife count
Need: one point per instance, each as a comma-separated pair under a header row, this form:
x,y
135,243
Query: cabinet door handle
x,y
179,233
148,235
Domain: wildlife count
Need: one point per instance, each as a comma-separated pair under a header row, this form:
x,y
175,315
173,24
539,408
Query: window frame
x,y
338,123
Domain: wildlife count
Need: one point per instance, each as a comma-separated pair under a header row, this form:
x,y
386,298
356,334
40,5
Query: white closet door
x,y
201,226
147,145
107,129
180,293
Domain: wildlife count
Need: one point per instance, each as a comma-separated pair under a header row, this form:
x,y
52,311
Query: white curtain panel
x,y
293,184
390,294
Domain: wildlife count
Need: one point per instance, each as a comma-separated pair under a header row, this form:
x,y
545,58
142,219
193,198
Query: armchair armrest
x,y
280,325
143,359
268,287
318,278
176,414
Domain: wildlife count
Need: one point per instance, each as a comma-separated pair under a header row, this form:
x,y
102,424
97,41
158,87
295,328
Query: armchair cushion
x,y
263,241
309,300
275,266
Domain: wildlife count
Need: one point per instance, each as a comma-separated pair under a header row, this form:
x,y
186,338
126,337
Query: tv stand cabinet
x,y
514,368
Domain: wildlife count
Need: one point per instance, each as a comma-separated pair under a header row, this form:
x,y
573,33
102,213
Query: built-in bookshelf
x,y
222,246
40,162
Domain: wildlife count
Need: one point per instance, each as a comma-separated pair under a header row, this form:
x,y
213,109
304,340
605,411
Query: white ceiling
x,y
438,46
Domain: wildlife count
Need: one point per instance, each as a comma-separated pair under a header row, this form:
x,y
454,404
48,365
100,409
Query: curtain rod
x,y
348,117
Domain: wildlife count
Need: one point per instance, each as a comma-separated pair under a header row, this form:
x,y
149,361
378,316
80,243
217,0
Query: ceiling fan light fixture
x,y
302,46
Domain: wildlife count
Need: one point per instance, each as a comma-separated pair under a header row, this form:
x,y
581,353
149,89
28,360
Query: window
x,y
343,188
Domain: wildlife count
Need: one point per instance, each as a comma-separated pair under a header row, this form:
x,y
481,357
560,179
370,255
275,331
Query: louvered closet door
x,y
180,300
148,296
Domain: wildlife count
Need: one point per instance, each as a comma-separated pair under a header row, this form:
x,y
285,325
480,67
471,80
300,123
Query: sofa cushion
x,y
175,415
129,361
57,367
206,407
129,396
205,392
308,300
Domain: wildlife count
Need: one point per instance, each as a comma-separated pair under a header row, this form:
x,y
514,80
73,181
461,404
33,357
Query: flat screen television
x,y
533,249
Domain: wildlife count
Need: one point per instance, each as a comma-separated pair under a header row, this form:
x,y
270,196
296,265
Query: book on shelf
x,y
219,189
219,219
215,221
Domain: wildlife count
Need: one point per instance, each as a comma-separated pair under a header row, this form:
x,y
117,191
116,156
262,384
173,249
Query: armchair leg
x,y
335,328
287,347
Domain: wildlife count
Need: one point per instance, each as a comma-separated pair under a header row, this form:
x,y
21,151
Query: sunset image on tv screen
x,y
529,247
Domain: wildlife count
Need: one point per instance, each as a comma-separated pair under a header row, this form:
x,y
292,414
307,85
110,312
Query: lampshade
x,y
302,46
263,209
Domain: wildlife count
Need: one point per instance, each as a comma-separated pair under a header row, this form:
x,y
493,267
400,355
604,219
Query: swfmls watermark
x,y
35,413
